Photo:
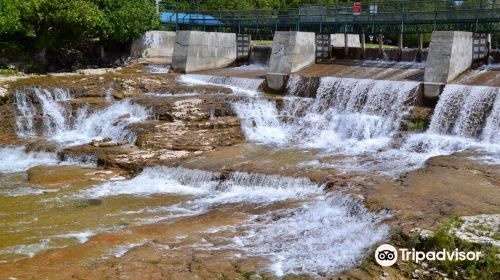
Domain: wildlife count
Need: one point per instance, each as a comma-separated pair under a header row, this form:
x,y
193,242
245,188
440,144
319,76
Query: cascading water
x,y
47,107
466,117
54,113
238,187
238,85
109,122
348,115
16,159
360,117
336,228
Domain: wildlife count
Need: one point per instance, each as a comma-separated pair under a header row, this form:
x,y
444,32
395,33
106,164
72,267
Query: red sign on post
x,y
356,8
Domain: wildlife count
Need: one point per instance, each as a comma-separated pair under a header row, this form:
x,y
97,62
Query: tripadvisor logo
x,y
387,255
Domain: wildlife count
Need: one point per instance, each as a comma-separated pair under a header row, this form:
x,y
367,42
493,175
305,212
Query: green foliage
x,y
10,17
418,125
56,23
487,267
8,72
127,19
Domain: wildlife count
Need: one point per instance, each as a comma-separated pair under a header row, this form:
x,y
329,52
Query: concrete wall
x,y
292,51
450,54
154,47
338,40
199,50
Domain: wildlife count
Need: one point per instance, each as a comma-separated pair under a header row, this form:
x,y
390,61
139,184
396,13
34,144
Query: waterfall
x,y
16,159
108,122
54,113
44,112
238,85
326,236
465,111
466,117
212,189
349,115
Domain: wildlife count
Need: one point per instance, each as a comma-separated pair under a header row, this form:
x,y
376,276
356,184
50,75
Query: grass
x,y
487,267
8,72
418,125
496,236
262,42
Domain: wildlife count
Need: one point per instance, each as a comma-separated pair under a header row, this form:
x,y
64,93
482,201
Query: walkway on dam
x,y
394,16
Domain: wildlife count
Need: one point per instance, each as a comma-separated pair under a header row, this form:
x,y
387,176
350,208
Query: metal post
x,y
381,45
400,45
176,15
363,46
346,45
420,54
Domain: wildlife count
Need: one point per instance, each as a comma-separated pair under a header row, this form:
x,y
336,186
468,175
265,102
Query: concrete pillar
x,y
292,51
154,47
199,50
338,40
450,54
346,45
381,46
158,6
363,46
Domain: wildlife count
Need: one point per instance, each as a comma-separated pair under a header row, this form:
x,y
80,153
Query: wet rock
x,y
84,203
417,119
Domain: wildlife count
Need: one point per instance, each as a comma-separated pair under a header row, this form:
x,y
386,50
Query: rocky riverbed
x,y
123,173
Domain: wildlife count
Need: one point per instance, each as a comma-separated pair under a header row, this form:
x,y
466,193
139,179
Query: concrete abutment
x,y
199,50
292,51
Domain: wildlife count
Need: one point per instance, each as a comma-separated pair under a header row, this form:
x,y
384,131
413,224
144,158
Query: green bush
x,y
62,23
488,266
418,125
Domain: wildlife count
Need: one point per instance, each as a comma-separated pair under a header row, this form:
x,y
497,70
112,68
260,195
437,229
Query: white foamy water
x,y
260,121
17,159
466,117
109,122
49,109
159,180
207,188
360,118
50,102
158,68
347,115
325,236
238,85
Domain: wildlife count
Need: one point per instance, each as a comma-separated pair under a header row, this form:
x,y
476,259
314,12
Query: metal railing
x,y
398,16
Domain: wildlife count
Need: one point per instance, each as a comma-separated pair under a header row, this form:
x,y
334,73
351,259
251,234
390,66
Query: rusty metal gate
x,y
323,47
243,45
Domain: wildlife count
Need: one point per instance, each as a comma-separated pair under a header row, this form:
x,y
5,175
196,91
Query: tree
x,y
127,19
58,22
10,17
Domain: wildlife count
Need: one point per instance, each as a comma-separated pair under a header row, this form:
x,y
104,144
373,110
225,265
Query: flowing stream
x,y
291,222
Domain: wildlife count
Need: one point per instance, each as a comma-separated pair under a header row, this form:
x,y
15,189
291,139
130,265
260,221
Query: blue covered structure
x,y
183,18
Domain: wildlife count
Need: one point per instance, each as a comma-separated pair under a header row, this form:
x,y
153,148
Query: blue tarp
x,y
198,19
